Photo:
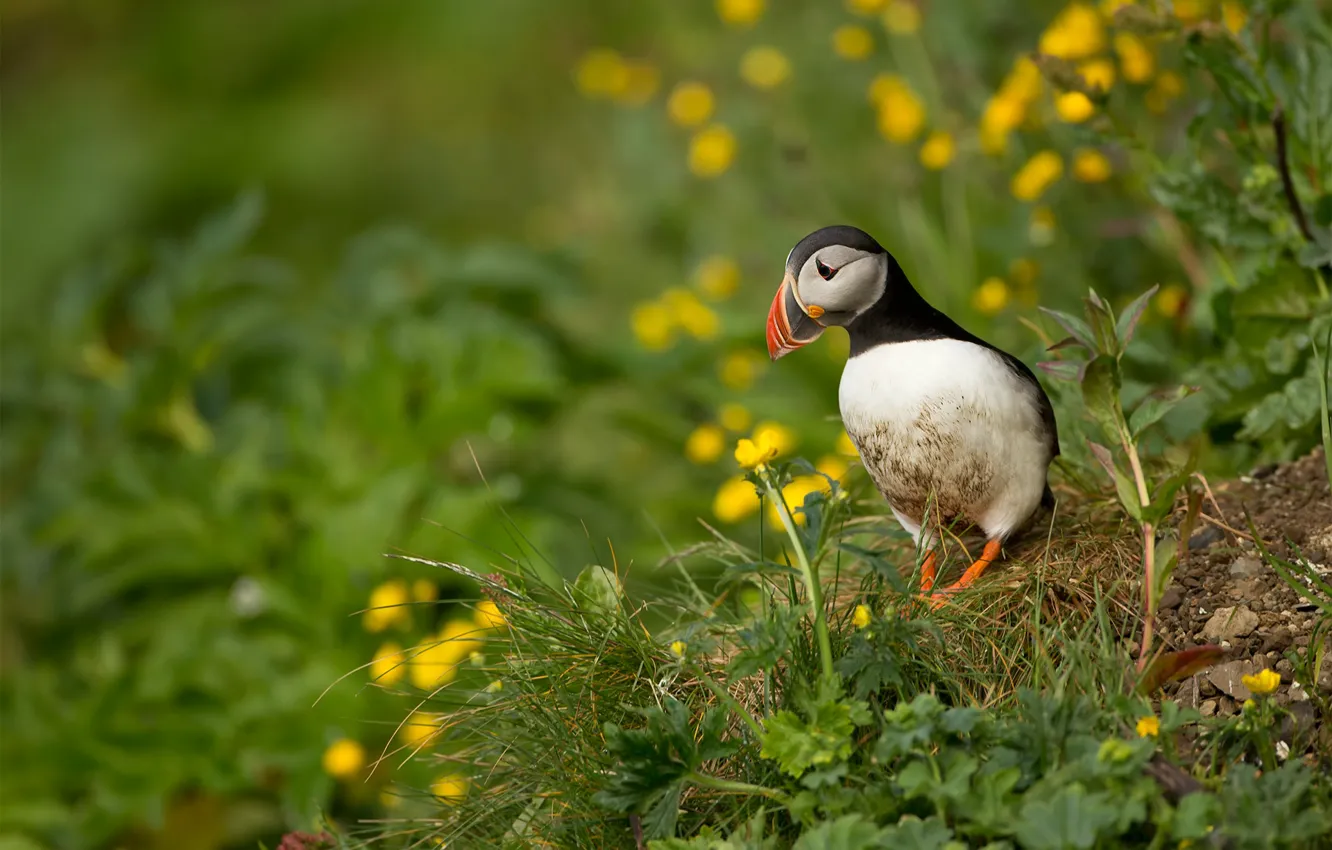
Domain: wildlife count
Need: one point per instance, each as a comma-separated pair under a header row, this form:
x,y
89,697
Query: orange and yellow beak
x,y
789,324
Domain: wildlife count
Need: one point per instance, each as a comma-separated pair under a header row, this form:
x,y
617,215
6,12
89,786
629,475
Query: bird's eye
x,y
826,272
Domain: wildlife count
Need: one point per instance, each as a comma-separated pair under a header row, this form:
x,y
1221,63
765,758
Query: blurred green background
x,y
287,286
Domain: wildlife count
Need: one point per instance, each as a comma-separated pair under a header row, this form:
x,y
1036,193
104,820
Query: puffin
x,y
949,427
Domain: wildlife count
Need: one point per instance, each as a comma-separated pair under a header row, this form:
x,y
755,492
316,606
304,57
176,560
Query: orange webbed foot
x,y
988,556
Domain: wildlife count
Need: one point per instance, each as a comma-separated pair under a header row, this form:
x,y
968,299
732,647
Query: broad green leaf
x,y
912,833
1100,392
1128,319
1158,404
597,591
1071,819
849,832
1195,817
1076,327
822,736
1164,559
1125,488
1101,319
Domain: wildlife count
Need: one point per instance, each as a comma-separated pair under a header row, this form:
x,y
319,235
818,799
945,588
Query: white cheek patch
x,y
855,287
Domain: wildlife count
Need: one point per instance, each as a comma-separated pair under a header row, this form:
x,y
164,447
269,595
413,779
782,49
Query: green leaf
x,y
1125,488
907,726
1076,327
1150,410
765,641
1128,320
912,833
1195,817
1102,322
849,832
1072,818
597,591
1166,557
821,737
1100,393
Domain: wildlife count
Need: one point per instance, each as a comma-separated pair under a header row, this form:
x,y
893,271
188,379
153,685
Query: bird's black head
x,y
833,275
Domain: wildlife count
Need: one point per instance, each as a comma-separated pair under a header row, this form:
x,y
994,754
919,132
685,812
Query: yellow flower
x,y
1135,57
739,368
991,296
717,277
450,789
833,466
1109,7
901,114
1098,73
388,607
1090,166
852,43
601,73
462,638
1248,705
1074,107
711,151
488,616
640,83
690,104
937,151
705,444
861,618
1171,300
654,326
734,417
1168,86
678,648
1149,726
866,7
735,500
794,494
388,665
764,67
752,454
1234,16
1023,271
776,434
344,758
1024,80
741,13
1189,11
1263,682
845,446
1037,175
1041,227
432,665
1077,32
424,590
690,313
901,17
420,728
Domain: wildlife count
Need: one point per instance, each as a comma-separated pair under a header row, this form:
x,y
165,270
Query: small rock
x,y
1209,535
1171,598
1227,677
1187,695
1227,706
1230,623
1206,688
1284,667
1263,471
1208,708
1246,566
1297,693
1277,640
1299,724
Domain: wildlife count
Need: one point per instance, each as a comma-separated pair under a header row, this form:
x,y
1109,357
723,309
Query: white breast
x,y
948,424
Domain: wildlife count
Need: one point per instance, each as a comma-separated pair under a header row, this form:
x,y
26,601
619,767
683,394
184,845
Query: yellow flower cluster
x,y
764,67
711,151
1076,33
388,607
861,617
1136,58
901,17
343,759
1262,683
656,323
706,443
1149,726
753,454
740,13
450,789
604,73
1006,111
901,113
717,277
853,43
937,150
690,104
434,661
738,369
1037,175
991,296
420,728
1090,166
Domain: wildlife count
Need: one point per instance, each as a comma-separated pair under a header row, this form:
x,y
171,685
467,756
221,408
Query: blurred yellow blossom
x,y
734,417
1023,271
461,638
1189,11
343,759
739,368
602,73
861,617
420,728
388,665
1031,181
387,607
1170,300
654,326
1076,33
901,17
678,648
852,42
751,454
1136,58
1041,226
641,80
424,590
690,104
901,114
451,788
690,313
1109,7
937,151
1098,73
794,494
1234,16
845,446
1149,726
705,444
764,67
1074,107
1006,110
866,7
1090,165
432,664
1167,87
742,13
833,466
717,277
735,500
991,296
777,434
488,616
711,151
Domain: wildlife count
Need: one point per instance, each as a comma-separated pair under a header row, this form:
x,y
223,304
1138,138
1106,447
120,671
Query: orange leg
x,y
927,573
988,556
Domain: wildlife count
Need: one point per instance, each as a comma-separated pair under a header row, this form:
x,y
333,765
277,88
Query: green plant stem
x,y
808,574
731,702
716,783
1148,552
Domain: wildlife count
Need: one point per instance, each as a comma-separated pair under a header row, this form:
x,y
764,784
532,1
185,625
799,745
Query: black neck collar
x,y
902,315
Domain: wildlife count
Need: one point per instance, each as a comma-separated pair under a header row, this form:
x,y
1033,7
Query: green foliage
x,y
819,735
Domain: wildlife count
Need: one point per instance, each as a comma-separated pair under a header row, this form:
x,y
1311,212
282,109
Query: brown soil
x,y
1224,593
